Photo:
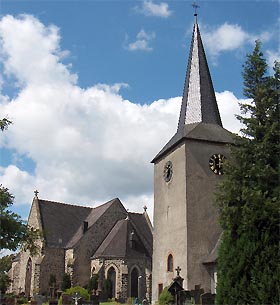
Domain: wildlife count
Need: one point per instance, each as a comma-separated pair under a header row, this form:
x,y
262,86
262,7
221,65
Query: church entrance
x,y
134,278
28,275
111,276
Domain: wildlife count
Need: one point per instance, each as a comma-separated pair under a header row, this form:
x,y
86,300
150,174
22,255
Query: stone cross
x,y
36,193
178,269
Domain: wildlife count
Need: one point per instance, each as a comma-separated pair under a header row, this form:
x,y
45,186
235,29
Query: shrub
x,y
165,297
83,293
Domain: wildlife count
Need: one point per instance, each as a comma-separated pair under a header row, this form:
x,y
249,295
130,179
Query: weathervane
x,y
195,6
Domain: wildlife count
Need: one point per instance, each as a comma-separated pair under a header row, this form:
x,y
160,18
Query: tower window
x,y
170,263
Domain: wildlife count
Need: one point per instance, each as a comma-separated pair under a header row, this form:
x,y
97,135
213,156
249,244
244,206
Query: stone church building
x,y
118,245
83,241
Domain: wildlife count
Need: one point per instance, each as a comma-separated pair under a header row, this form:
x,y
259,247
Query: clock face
x,y
168,171
216,163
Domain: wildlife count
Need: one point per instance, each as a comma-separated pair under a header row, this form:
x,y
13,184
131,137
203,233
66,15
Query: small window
x,y
170,263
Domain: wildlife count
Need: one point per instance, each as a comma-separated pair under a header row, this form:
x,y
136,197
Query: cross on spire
x,y
36,193
195,6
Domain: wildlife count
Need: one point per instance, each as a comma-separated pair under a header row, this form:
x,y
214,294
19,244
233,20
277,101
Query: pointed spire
x,y
199,102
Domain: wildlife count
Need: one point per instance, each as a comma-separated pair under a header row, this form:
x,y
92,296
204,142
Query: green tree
x,y
248,198
5,266
66,282
13,230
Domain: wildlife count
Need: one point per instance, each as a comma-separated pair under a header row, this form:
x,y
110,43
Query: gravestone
x,y
207,299
39,299
66,299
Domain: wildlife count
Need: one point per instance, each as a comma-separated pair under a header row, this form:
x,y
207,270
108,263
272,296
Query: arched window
x,y
134,278
28,276
170,263
111,282
92,271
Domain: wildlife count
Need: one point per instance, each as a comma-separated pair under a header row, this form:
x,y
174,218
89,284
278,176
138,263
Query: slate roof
x,y
199,102
117,244
63,223
91,219
199,115
60,221
212,258
197,131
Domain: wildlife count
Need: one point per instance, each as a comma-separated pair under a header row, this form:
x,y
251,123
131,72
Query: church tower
x,y
186,172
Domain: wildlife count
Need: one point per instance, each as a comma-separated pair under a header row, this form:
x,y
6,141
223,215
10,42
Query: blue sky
x,y
93,89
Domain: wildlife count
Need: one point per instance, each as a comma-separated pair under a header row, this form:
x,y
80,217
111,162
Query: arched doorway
x,y
134,278
28,275
111,280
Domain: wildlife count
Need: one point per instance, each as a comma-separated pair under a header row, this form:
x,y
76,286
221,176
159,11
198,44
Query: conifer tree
x,y
248,198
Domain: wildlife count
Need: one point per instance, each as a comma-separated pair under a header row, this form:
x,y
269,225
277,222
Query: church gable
x,y
92,218
123,241
60,221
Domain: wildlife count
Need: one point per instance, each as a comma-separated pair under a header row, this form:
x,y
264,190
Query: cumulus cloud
x,y
149,8
142,42
88,145
230,37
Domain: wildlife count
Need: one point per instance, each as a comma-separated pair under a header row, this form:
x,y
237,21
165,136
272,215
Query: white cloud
x,y
88,145
230,37
38,61
142,43
227,37
228,105
272,56
149,8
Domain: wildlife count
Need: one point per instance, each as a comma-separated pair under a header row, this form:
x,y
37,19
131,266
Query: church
x,y
141,260
107,241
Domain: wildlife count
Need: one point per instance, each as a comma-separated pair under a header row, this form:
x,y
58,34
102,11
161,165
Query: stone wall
x,y
91,240
33,221
53,263
123,269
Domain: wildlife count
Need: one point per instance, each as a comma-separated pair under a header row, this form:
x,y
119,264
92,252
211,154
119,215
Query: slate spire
x,y
199,102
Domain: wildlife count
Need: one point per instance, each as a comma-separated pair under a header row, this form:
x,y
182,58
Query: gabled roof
x,y
60,221
91,219
124,240
63,223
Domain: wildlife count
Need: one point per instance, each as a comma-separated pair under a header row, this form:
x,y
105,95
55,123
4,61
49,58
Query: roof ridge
x,y
63,203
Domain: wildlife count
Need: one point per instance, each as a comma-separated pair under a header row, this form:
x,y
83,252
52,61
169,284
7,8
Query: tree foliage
x,y
5,266
248,198
13,230
66,282
4,123
165,297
